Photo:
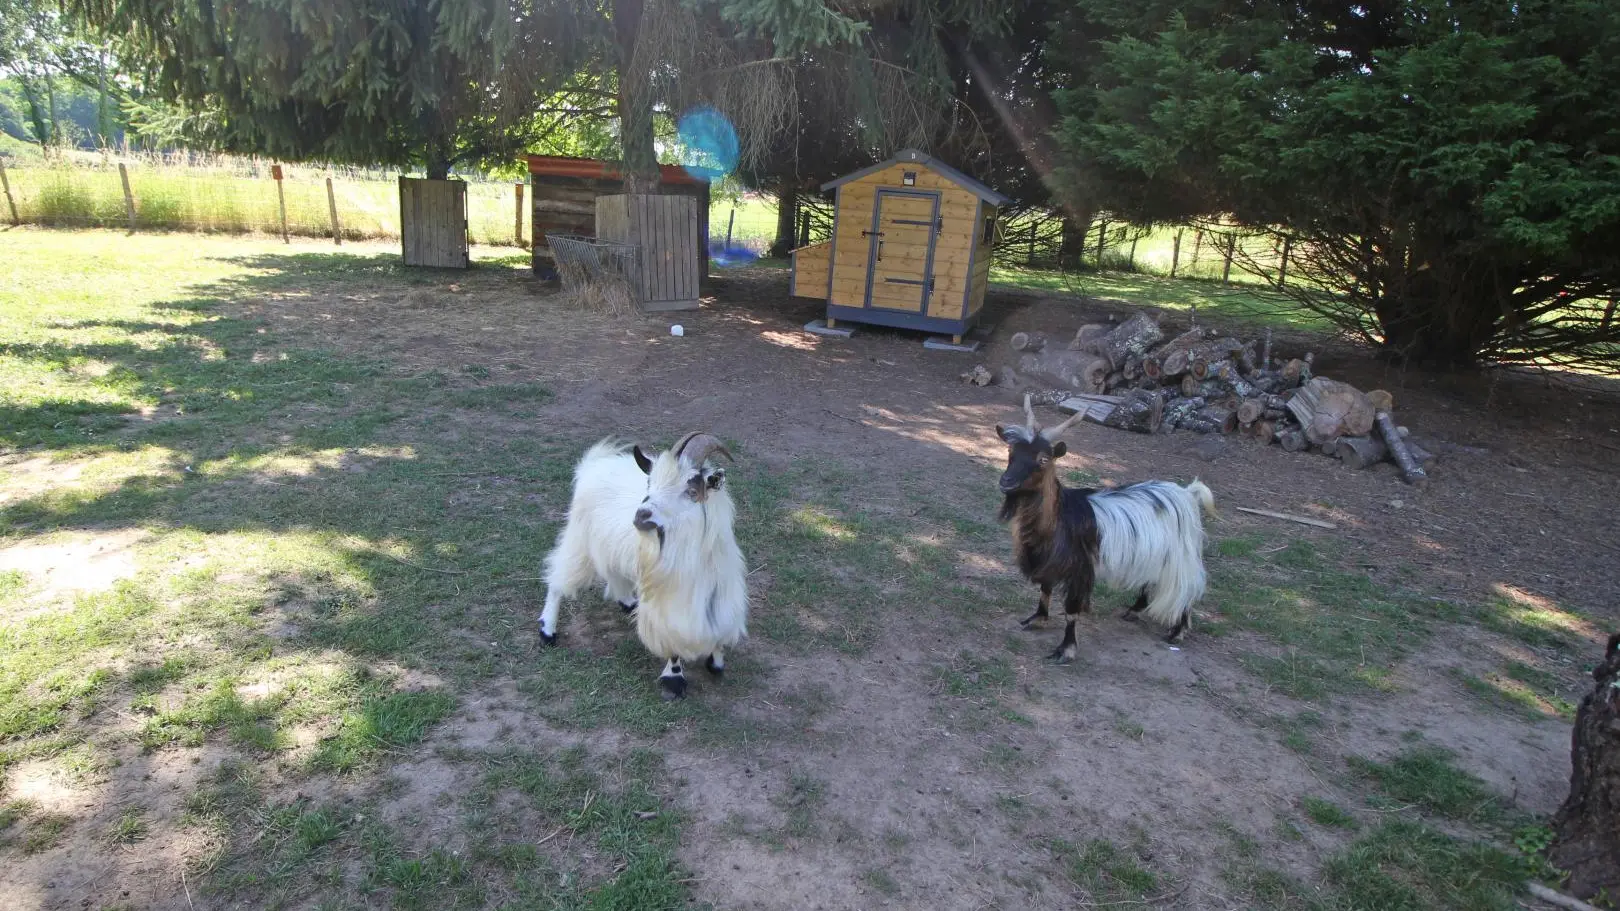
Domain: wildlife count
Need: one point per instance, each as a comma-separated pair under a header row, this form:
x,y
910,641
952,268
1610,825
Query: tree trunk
x,y
1587,827
787,215
635,101
1072,241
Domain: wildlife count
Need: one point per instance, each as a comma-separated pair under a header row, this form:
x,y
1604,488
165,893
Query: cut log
x,y
1133,368
1328,408
1132,337
1030,342
1586,829
1419,455
1085,335
1265,353
1264,431
1091,407
1180,410
1250,411
1223,417
1381,400
1411,471
1176,362
1245,359
1294,373
1170,359
1293,440
1071,369
1226,373
1113,381
1141,411
1361,452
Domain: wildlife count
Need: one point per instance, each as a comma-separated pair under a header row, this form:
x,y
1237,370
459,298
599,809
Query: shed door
x,y
901,261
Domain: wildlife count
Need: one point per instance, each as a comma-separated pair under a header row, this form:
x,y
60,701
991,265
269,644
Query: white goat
x,y
658,533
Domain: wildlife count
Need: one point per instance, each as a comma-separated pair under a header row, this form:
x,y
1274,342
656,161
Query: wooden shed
x,y
910,247
563,194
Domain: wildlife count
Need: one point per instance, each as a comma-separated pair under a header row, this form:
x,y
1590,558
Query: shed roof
x,y
909,156
563,166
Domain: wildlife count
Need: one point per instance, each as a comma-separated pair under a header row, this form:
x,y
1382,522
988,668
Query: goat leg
x,y
1182,624
1042,611
1132,612
1073,605
672,681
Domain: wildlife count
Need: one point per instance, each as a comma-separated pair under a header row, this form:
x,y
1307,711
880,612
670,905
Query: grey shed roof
x,y
912,155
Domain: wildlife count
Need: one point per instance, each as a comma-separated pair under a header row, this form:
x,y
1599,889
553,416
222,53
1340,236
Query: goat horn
x,y
1055,431
696,447
1029,415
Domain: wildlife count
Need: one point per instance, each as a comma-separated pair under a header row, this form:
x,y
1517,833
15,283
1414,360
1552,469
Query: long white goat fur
x,y
1152,534
693,589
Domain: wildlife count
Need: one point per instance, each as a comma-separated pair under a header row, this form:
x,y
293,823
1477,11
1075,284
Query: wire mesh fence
x,y
238,195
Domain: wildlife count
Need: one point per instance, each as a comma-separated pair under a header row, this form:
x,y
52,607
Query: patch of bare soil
x,y
893,792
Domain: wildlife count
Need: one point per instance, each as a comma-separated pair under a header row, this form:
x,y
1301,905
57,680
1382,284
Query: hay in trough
x,y
594,273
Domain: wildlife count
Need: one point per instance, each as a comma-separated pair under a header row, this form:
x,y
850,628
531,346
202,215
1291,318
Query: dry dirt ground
x,y
933,759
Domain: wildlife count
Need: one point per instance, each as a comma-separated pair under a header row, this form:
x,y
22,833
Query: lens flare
x,y
709,146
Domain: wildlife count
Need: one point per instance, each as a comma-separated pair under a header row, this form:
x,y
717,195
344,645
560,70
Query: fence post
x,y
1282,270
1102,235
1175,253
129,197
731,220
12,203
1030,260
1134,239
1198,244
331,204
517,224
1231,247
281,202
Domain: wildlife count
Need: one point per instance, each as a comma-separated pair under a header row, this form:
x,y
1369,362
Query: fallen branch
x,y
1554,897
1317,523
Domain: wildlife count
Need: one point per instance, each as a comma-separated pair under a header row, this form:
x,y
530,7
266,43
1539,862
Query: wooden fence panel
x,y
433,222
666,232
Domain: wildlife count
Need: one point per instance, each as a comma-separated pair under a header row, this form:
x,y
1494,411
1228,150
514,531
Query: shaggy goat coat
x,y
1151,536
689,578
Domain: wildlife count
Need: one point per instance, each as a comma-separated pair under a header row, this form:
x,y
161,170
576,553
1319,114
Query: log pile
x,y
1132,376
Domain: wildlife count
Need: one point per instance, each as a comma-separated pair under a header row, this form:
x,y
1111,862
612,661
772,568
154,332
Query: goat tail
x,y
1201,493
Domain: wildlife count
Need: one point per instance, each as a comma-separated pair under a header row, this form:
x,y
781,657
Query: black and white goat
x,y
1147,536
657,533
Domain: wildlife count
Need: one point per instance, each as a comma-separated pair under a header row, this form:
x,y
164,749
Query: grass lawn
x,y
266,610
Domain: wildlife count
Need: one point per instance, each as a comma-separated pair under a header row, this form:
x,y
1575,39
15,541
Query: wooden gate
x,y
433,222
664,229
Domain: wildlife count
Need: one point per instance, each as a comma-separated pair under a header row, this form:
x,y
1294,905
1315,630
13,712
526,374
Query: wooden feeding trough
x,y
911,247
563,193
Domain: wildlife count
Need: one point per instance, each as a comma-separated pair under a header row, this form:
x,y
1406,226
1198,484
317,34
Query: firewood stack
x,y
1131,377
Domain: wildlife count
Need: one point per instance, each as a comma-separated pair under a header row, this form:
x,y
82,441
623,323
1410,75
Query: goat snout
x,y
644,520
1009,483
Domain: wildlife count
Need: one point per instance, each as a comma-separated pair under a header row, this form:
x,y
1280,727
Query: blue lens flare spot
x,y
709,146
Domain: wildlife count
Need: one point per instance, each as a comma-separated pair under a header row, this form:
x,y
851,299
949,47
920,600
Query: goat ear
x,y
716,478
642,461
1059,448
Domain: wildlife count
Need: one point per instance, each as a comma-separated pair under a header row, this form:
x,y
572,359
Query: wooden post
x,y
1231,247
129,197
12,203
1133,252
1198,244
331,205
1175,253
732,220
1282,270
517,223
281,200
1102,235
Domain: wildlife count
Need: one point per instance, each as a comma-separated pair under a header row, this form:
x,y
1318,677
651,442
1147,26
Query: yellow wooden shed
x,y
910,247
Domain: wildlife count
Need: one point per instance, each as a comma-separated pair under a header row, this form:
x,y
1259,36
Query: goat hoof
x,y
548,640
1061,657
1034,621
715,669
673,688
